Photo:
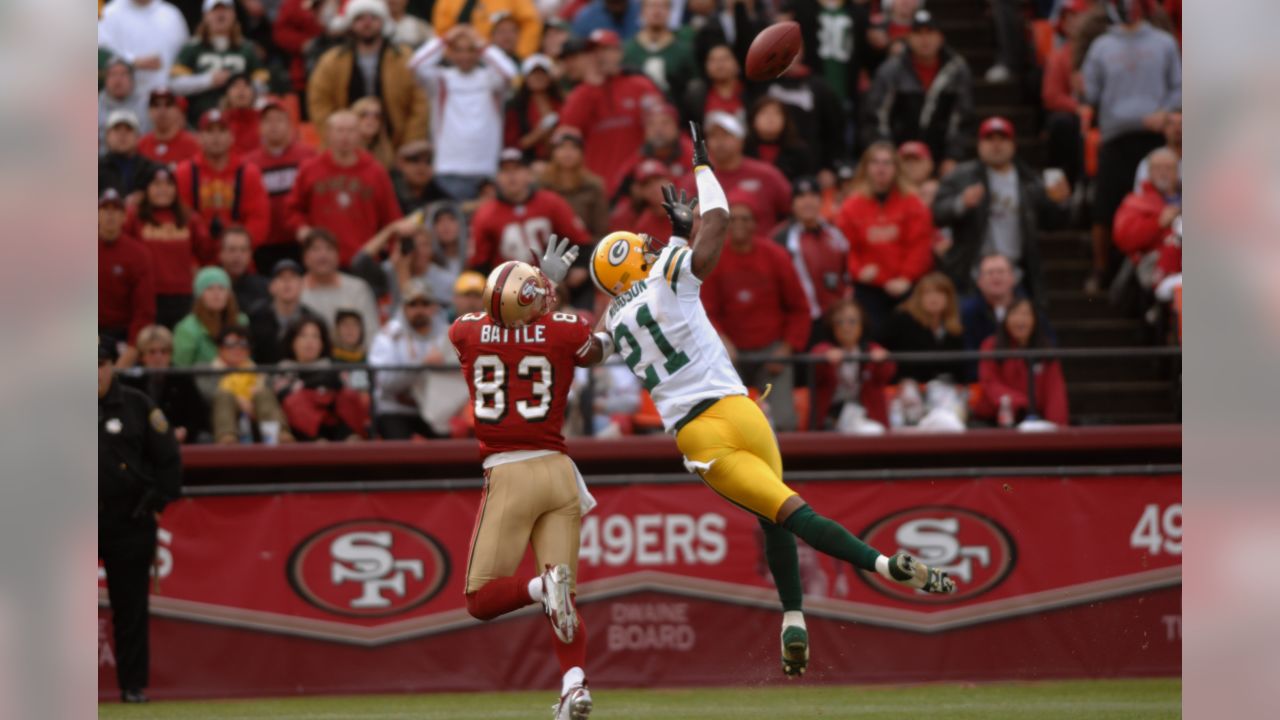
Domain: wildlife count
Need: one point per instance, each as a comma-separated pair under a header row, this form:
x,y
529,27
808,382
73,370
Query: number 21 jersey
x,y
662,332
519,378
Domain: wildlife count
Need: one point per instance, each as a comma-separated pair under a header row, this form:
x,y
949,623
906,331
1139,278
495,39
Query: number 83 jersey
x,y
662,332
519,378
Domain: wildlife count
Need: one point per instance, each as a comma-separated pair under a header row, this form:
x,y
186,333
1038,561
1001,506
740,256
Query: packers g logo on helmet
x,y
517,294
620,259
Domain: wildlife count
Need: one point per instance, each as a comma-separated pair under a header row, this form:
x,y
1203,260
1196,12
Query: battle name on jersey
x,y
526,334
626,297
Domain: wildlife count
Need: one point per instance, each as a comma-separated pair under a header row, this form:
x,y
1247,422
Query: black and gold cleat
x,y
909,571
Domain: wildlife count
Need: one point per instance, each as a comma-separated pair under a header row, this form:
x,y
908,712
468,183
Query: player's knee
x,y
477,610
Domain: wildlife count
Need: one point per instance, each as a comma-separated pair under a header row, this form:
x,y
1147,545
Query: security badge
x,y
158,421
114,426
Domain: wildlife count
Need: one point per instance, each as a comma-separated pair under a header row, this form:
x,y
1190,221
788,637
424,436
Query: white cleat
x,y
795,645
575,704
557,603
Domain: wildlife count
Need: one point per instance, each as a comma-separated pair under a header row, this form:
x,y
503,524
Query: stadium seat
x,y
1042,39
308,135
801,398
647,417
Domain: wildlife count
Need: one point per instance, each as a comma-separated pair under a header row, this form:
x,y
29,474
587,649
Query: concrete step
x,y
1108,332
1074,246
1069,274
1076,305
968,32
987,94
1100,398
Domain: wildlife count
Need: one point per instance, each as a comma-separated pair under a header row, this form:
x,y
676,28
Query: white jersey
x,y
662,332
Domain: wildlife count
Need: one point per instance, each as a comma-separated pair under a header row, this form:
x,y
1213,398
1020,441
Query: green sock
x,y
780,551
830,537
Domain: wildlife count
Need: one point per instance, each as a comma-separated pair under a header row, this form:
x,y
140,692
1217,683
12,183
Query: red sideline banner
x,y
362,591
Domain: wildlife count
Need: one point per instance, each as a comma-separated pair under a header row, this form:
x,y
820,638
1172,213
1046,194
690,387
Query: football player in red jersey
x,y
518,358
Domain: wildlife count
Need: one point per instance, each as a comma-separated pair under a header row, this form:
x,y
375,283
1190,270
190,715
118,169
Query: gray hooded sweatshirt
x,y
1129,74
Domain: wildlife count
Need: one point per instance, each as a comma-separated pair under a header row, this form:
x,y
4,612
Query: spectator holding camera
x,y
403,251
213,309
177,239
221,186
1033,388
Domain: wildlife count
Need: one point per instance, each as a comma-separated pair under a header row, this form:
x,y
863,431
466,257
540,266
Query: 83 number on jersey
x,y
636,356
490,379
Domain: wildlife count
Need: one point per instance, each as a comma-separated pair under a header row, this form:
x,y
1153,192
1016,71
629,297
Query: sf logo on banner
x,y
976,551
368,568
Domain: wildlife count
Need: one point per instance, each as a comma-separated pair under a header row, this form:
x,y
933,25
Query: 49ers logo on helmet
x,y
368,568
529,292
974,550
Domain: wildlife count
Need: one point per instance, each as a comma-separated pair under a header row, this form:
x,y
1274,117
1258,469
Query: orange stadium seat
x,y
308,135
647,417
1042,37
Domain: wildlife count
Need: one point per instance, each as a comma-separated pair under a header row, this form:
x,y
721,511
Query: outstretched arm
x,y
715,209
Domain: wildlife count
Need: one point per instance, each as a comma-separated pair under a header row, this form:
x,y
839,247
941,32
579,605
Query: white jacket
x,y
397,344
467,109
136,31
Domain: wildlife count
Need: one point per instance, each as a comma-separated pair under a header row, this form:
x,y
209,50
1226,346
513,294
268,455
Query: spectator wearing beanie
x,y
890,236
221,186
760,183
149,35
608,107
534,112
122,168
1133,77
819,253
368,64
344,190
278,158
663,141
566,176
755,300
168,143
213,310
126,295
176,238
467,97
218,53
120,93
325,290
447,14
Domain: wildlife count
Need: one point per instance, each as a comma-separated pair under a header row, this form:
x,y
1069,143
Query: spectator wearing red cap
x,y
178,240
1144,223
890,235
925,93
278,158
620,17
517,223
221,186
218,53
719,89
467,97
756,302
996,204
126,295
1034,388
343,190
642,211
656,51
123,168
663,141
819,252
533,113
366,63
169,142
608,107
772,137
1060,93
566,176
765,188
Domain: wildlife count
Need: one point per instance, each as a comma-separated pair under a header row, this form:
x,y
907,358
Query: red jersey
x,y
353,202
231,195
176,252
755,297
610,117
176,149
501,231
126,296
279,173
896,237
244,127
761,183
519,379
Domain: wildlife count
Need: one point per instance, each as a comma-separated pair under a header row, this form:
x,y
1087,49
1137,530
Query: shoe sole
x,y
580,709
920,577
795,657
560,608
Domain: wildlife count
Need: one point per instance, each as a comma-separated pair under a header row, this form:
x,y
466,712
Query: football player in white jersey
x,y
657,324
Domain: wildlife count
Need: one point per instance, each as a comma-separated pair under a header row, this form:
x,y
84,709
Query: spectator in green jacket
x,y
215,307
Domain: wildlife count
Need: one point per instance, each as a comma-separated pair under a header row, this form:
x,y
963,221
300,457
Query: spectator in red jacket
x,y
515,225
819,253
754,299
1145,219
126,296
608,106
1035,388
890,235
662,141
849,393
344,190
764,187
221,186
1060,95
278,158
168,142
642,212
178,241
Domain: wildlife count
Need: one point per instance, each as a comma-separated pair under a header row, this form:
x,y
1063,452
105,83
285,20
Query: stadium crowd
x,y
303,183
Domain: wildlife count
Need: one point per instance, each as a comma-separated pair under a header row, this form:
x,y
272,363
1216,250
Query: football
x,y
773,51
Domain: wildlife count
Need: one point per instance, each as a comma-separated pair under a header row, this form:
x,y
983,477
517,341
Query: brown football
x,y
773,51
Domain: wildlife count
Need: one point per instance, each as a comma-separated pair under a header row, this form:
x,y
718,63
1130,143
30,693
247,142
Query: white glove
x,y
558,258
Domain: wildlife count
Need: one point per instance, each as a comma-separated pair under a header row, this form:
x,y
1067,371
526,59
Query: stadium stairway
x,y
1102,391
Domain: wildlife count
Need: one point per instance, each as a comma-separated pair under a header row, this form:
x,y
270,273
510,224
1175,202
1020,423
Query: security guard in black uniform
x,y
139,471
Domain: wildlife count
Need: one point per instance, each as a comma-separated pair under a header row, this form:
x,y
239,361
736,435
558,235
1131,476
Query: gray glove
x,y
558,258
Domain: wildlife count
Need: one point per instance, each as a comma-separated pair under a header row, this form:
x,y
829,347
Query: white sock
x,y
793,618
535,589
882,567
575,676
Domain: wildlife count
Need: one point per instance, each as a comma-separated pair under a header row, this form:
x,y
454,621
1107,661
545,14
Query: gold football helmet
x,y
517,294
620,259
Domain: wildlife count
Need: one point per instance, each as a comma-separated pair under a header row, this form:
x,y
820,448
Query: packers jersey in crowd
x,y
662,332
